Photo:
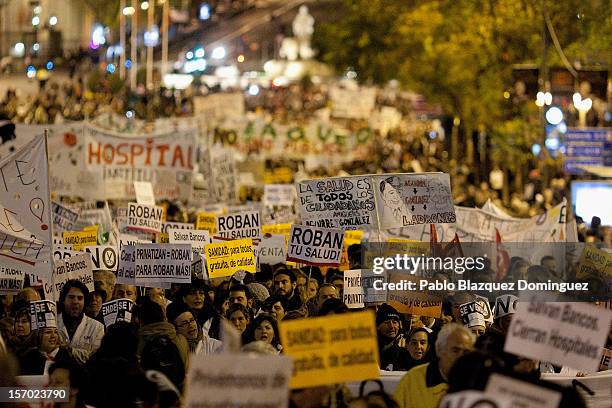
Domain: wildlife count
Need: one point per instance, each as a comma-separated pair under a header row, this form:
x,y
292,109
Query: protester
x,y
265,328
84,334
277,306
418,343
392,355
94,304
123,291
424,385
186,325
66,374
43,346
285,283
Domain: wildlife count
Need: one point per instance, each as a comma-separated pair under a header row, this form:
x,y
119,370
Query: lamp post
x,y
150,20
583,106
134,47
122,39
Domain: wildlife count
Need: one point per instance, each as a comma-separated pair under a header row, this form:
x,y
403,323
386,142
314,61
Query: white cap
x,y
505,305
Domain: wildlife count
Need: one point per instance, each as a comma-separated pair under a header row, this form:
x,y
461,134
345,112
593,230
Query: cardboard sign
x,y
127,264
118,310
315,246
207,221
103,257
80,239
43,314
227,258
12,276
353,294
176,225
25,207
413,301
76,267
63,217
144,193
505,305
563,333
521,393
410,199
279,195
239,225
232,379
606,360
159,264
473,399
595,264
197,239
145,218
341,202
272,249
331,349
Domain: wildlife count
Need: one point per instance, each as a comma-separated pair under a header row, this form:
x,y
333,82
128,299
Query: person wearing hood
x,y
186,325
153,324
392,356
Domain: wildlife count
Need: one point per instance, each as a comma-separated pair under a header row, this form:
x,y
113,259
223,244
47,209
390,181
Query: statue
x,y
303,27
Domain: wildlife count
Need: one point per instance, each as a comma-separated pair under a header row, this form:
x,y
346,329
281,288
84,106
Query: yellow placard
x,y
80,239
413,301
331,349
284,229
596,267
227,258
352,237
162,238
207,221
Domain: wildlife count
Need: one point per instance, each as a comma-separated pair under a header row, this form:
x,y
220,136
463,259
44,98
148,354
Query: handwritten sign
x,y
353,294
63,217
331,349
76,267
272,249
25,207
227,258
80,239
410,199
197,239
103,257
158,264
145,218
315,246
12,275
563,333
413,301
341,202
207,221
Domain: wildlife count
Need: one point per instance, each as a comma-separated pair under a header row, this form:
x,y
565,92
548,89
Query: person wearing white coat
x,y
82,333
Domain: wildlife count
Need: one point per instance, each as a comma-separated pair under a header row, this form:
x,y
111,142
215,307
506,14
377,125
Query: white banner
x,y
159,264
115,162
563,333
352,103
341,202
238,380
411,199
315,246
239,225
25,208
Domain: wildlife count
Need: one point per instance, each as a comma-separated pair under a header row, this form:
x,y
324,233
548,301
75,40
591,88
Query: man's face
x,y
238,296
283,285
239,320
458,344
95,305
391,196
104,282
49,340
125,292
327,292
389,328
186,325
278,311
22,325
74,302
550,264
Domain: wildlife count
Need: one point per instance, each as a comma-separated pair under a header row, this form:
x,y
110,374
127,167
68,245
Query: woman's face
x,y
49,340
186,325
239,320
418,345
195,300
264,332
22,326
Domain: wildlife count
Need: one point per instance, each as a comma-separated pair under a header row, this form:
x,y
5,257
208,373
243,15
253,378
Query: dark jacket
x,y
150,331
32,362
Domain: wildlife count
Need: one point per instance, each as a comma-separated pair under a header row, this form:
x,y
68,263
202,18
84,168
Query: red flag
x,y
503,258
453,248
434,246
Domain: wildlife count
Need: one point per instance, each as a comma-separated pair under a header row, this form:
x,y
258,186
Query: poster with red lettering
x,y
165,160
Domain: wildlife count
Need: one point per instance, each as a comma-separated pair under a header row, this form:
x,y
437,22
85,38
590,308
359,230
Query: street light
x,y
583,106
218,53
52,21
128,11
144,5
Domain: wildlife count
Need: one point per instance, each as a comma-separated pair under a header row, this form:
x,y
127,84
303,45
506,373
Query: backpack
x,y
161,354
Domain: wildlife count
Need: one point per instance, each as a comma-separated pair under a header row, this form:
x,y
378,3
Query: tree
x,y
459,53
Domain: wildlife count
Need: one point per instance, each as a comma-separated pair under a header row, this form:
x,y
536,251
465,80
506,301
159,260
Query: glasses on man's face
x,y
186,323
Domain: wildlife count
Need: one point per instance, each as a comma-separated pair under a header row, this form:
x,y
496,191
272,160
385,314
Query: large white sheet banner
x,y
25,208
115,162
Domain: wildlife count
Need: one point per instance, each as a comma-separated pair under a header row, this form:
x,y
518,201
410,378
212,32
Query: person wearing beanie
x,y
259,293
392,356
185,323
